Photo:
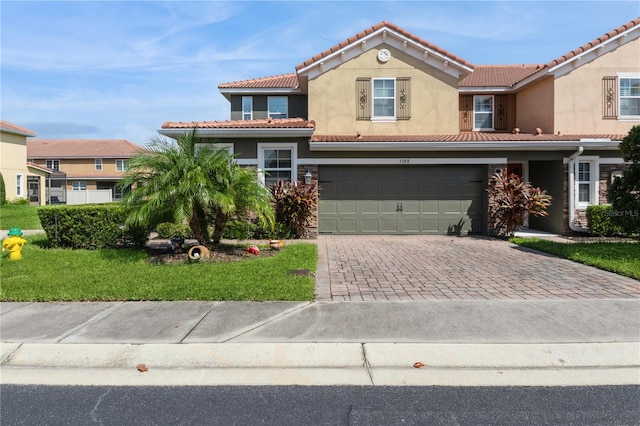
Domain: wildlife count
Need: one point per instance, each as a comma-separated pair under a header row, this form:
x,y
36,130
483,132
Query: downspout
x,y
572,201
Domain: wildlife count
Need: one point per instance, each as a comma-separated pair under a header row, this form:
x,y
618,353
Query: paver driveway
x,y
417,267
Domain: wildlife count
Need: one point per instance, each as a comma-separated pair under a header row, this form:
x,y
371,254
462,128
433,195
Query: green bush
x,y
600,220
90,226
250,230
295,204
19,202
3,191
173,230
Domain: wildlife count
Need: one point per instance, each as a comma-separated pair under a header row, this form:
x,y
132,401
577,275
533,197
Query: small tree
x,y
3,194
511,199
294,203
625,191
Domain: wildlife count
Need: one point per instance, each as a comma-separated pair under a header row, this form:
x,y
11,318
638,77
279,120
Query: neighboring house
x,y
22,179
403,136
94,166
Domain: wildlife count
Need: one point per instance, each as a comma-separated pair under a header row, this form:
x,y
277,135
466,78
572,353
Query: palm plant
x,y
192,182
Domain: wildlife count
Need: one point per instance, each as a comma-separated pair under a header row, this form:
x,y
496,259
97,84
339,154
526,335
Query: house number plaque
x,y
404,161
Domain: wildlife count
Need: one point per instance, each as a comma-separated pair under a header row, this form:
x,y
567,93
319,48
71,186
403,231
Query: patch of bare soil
x,y
224,253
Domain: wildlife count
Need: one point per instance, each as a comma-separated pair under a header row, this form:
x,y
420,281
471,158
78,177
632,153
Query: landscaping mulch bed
x,y
224,253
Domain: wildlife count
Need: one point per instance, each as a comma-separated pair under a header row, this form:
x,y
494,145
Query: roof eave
x,y
532,145
241,133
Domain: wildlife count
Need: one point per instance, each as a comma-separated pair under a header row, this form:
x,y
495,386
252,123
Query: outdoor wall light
x,y
307,177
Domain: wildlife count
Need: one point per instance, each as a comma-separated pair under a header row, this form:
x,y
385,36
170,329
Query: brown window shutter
x,y
466,113
363,98
403,98
609,97
500,111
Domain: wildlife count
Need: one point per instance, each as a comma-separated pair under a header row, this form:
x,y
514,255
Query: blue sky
x,y
89,69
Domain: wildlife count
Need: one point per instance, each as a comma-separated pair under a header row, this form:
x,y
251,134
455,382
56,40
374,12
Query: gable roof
x,y
605,38
81,148
7,127
499,75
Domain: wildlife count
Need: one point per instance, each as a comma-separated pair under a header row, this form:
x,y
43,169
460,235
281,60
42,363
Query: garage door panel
x,y
401,199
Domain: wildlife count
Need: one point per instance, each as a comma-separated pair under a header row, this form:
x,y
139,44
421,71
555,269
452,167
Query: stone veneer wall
x,y
604,183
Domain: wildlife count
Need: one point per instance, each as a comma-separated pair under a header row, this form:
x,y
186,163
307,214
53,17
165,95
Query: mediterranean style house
x,y
22,179
82,170
403,136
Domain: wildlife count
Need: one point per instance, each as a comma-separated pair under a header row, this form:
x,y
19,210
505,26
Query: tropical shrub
x,y
511,199
169,230
90,226
625,191
194,182
600,221
295,204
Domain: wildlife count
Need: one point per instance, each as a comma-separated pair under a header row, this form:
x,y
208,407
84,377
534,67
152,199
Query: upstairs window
x,y
122,165
247,107
19,185
53,165
98,164
629,90
483,112
384,98
278,107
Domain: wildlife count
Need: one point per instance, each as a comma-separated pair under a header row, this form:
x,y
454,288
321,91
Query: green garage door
x,y
401,199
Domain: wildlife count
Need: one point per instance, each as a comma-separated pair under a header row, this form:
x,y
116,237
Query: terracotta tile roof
x,y
5,126
81,148
373,29
461,137
283,81
499,75
594,43
272,123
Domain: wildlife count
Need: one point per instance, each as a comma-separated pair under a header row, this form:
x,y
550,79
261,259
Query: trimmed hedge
x,y
600,220
90,226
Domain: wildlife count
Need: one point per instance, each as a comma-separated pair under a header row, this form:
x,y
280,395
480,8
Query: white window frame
x,y
626,76
81,185
53,165
279,146
247,115
98,164
375,117
278,112
493,110
227,146
19,185
120,165
593,182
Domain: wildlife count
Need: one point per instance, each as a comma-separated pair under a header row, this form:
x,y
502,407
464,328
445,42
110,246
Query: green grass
x,y
621,257
24,217
123,274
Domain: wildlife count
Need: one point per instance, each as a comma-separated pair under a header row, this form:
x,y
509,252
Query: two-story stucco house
x,y
82,165
22,179
403,136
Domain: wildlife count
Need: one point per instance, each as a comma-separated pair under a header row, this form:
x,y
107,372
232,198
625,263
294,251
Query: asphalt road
x,y
292,405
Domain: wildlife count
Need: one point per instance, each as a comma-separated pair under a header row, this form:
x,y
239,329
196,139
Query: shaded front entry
x,y
402,199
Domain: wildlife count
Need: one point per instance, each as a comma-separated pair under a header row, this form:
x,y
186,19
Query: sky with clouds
x,y
119,69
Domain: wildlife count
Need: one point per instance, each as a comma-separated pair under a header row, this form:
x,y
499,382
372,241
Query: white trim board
x,y
401,161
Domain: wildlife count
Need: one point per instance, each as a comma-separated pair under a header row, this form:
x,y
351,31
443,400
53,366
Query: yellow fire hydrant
x,y
14,243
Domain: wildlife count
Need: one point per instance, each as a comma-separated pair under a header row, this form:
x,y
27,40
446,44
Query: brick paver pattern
x,y
415,267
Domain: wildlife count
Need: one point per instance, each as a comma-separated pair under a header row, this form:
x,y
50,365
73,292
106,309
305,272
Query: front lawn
x,y
123,274
621,257
24,217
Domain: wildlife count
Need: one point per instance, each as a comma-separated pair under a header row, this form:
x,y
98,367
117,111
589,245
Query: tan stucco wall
x,y
434,97
13,161
534,106
579,97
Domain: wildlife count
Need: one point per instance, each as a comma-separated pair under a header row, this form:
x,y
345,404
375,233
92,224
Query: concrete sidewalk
x,y
559,342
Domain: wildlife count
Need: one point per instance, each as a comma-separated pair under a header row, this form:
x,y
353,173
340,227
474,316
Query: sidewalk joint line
x,y
206,314
269,321
367,366
96,317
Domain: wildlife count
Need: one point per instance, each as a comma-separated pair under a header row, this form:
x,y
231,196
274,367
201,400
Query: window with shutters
x,y
483,112
383,99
